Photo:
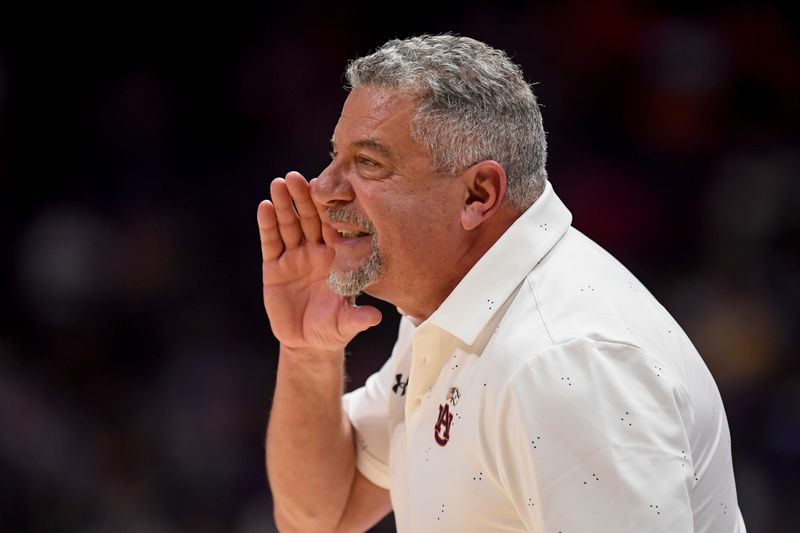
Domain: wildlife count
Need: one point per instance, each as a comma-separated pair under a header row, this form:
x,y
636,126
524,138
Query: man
x,y
535,384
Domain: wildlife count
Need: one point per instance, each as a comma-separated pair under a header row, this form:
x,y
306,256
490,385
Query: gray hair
x,y
473,104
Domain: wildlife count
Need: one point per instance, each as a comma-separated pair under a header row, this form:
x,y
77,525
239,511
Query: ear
x,y
485,188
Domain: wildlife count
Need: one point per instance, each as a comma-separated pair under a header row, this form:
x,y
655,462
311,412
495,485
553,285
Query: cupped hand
x,y
304,314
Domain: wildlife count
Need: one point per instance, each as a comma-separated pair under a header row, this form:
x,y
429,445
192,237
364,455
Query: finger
x,y
288,222
306,210
357,318
271,241
328,233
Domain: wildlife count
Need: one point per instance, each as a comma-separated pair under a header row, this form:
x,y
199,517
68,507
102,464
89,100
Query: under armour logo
x,y
400,385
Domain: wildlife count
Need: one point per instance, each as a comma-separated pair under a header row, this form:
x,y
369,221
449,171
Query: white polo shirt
x,y
550,392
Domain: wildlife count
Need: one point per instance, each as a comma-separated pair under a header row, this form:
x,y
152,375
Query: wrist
x,y
312,355
304,367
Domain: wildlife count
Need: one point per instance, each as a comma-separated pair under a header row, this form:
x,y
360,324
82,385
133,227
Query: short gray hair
x,y
473,104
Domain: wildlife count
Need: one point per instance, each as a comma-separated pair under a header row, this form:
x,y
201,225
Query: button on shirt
x,y
550,392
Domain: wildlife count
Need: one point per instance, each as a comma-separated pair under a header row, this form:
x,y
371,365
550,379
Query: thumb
x,y
358,318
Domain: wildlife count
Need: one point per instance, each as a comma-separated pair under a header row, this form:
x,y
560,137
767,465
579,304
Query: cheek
x,y
411,224
397,231
415,235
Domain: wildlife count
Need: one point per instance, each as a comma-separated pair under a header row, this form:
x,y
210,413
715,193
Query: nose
x,y
331,187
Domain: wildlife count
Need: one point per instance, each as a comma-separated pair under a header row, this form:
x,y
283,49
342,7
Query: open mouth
x,y
351,227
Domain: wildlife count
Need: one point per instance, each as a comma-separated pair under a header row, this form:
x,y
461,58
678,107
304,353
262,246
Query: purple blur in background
x,y
136,361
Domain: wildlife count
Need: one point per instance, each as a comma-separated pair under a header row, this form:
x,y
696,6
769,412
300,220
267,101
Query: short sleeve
x,y
368,410
592,437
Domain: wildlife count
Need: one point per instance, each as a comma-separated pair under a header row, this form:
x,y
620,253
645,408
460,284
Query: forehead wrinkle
x,y
376,145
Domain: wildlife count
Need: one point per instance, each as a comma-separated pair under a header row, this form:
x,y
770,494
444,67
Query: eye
x,y
367,162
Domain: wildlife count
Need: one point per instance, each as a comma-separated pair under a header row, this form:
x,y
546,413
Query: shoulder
x,y
579,293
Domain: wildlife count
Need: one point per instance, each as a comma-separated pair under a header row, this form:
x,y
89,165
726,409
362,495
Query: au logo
x,y
441,431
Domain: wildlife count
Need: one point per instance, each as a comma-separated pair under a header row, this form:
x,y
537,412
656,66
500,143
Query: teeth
x,y
351,234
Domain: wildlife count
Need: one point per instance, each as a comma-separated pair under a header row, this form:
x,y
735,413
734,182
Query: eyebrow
x,y
373,144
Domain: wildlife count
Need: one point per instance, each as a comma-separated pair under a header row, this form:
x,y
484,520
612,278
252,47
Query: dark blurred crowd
x,y
136,361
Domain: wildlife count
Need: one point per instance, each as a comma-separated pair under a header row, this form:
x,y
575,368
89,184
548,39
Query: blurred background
x,y
136,362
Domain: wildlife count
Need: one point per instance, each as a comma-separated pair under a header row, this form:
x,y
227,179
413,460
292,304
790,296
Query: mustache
x,y
348,216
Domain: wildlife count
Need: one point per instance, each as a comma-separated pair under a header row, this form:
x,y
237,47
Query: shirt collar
x,y
488,284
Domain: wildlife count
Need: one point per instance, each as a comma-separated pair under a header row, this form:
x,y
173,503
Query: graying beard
x,y
353,282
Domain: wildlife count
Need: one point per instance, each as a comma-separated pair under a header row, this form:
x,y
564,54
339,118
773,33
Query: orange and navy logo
x,y
441,431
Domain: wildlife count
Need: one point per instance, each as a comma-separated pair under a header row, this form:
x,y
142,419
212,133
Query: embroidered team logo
x,y
453,395
441,431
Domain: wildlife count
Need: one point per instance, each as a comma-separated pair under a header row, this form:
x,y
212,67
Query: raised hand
x,y
303,312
